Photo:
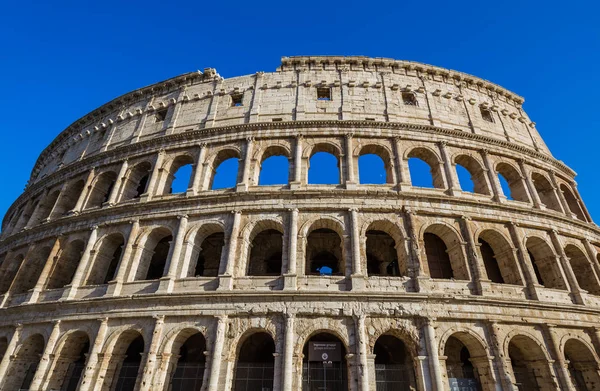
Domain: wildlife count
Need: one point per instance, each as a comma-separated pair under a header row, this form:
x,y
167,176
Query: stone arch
x,y
388,248
154,249
9,268
529,361
432,159
186,367
514,180
265,244
269,152
66,264
68,198
29,274
572,202
255,353
102,186
332,150
337,372
502,258
582,268
394,364
582,364
171,169
106,258
23,366
545,191
478,173
125,347
324,246
136,181
442,247
216,159
69,360
545,263
384,154
205,244
45,208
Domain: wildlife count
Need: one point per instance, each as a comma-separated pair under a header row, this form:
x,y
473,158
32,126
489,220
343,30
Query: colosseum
x,y
113,280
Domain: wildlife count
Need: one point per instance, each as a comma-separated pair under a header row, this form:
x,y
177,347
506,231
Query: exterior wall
x,y
191,118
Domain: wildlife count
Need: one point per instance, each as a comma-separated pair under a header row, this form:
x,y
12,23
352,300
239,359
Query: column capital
x,y
466,218
293,210
349,135
181,217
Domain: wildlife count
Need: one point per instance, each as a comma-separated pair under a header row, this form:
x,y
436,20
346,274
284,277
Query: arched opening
x,y
438,259
545,191
572,202
154,259
471,176
274,167
582,268
425,170
69,363
324,365
65,266
394,370
207,254
529,365
225,170
179,175
45,208
460,369
372,170
266,254
189,370
499,258
25,363
323,166
382,256
324,253
101,190
514,182
68,199
125,361
3,346
545,264
8,271
137,181
255,366
582,366
30,274
106,260
444,253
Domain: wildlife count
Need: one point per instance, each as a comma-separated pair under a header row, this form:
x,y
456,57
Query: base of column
x,y
359,282
290,282
113,288
225,283
190,193
165,285
350,185
241,187
295,185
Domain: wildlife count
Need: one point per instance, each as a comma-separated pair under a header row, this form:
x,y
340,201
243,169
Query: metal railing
x,y
188,377
254,377
394,377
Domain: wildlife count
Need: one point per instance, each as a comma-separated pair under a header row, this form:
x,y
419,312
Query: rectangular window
x,y
486,115
323,93
277,119
236,100
161,115
409,99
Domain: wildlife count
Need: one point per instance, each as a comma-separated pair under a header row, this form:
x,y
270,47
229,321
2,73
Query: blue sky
x,y
60,60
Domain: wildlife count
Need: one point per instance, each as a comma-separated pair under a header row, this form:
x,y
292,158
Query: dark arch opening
x,y
101,190
68,199
137,181
106,260
394,370
529,365
70,363
471,175
438,259
130,366
324,252
572,202
582,268
255,367
158,261
189,373
28,275
65,266
318,374
492,268
545,264
25,363
181,179
266,254
582,366
514,182
209,256
382,257
459,368
545,191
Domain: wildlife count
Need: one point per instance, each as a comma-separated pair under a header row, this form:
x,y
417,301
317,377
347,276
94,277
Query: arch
x,y
155,251
45,208
499,258
324,165
582,365
545,264
65,266
207,250
255,364
178,175
324,251
106,259
382,254
444,253
315,373
29,275
477,175
137,181
529,364
419,176
467,361
225,169
545,191
274,167
572,202
68,199
582,268
514,181
394,368
266,249
189,362
101,189
124,367
8,270
374,165
23,366
69,361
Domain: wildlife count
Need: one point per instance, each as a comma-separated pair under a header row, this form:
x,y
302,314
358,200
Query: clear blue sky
x,y
60,60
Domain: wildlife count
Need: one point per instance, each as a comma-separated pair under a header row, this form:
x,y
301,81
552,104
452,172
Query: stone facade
x,y
105,271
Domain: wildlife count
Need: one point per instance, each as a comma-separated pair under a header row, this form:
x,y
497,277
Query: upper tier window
x,y
486,115
161,115
409,99
323,93
236,100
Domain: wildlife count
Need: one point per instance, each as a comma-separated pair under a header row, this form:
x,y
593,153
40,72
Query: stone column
x,y
197,178
290,279
88,375
358,277
61,194
592,257
10,352
36,210
245,183
561,196
116,190
560,366
533,194
451,178
85,192
402,181
175,259
82,267
498,194
432,350
288,359
580,202
41,282
150,364
116,285
351,175
154,177
217,355
226,279
362,348
256,97
297,182
415,268
477,269
567,269
503,372
523,257
40,373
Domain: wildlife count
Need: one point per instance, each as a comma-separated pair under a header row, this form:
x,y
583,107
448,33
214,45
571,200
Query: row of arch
x,y
421,166
266,247
125,358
